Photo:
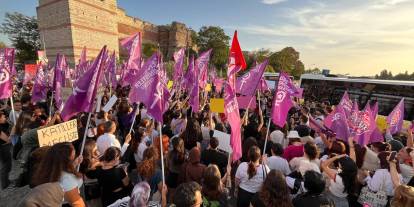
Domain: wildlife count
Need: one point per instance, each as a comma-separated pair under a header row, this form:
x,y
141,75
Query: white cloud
x,y
347,35
272,1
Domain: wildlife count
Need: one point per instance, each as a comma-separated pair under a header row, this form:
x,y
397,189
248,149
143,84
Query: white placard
x,y
224,141
110,103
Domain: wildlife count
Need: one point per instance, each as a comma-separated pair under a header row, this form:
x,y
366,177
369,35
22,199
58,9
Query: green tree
x,y
213,37
287,60
24,35
313,71
2,45
148,49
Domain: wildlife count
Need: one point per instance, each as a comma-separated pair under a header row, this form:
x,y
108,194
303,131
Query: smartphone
x,y
392,156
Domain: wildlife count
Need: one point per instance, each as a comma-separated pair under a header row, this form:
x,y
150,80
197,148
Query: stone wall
x,y
68,25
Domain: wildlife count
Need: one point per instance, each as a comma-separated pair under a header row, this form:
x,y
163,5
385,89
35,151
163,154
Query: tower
x,y
66,26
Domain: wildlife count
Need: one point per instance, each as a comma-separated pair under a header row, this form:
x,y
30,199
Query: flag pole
x,y
51,105
84,138
12,106
248,106
267,133
270,118
133,120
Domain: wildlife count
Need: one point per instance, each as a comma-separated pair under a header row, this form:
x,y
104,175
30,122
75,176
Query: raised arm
x,y
325,166
352,154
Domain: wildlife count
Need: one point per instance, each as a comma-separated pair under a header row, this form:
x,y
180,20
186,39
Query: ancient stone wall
x,y
68,25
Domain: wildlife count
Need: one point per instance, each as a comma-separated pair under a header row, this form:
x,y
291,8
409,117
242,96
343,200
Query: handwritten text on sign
x,y
64,132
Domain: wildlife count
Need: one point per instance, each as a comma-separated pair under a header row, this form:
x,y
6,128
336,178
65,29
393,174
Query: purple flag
x,y
189,77
149,89
263,85
133,45
83,62
375,109
201,65
233,117
59,79
337,122
247,84
194,87
218,83
361,124
282,101
6,72
396,117
40,84
178,66
111,70
346,103
85,90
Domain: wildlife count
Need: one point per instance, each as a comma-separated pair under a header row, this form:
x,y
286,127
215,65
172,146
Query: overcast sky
x,y
359,37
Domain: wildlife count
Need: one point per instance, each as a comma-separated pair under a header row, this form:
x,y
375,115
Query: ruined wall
x,y
68,25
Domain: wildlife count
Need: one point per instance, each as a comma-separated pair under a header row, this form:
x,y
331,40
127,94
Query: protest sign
x,y
217,105
224,141
381,123
29,72
244,102
110,103
64,132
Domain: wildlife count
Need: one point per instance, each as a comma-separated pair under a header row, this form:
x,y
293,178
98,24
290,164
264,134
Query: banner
x,y
30,71
217,105
64,132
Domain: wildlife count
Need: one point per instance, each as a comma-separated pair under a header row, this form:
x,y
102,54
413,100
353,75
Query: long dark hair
x,y
87,155
254,155
57,160
136,139
23,122
192,133
274,190
178,152
348,174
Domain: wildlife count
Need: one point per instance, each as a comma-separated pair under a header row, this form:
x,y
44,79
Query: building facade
x,y
66,26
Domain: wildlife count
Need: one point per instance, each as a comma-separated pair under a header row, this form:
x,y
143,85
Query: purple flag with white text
x,y
85,89
396,117
59,79
39,92
201,65
346,104
6,72
337,122
133,45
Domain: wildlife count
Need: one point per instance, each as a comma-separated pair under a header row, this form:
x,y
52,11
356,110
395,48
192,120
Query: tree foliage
x,y
387,75
2,45
24,35
287,60
211,37
148,49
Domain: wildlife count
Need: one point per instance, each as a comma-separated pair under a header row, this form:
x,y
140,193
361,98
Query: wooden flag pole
x,y
133,120
267,134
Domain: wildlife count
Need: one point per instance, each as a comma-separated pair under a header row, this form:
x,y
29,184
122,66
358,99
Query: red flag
x,y
236,53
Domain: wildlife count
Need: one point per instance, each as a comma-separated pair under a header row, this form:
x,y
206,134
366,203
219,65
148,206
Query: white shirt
x,y
336,187
139,155
297,162
381,181
278,163
407,172
109,140
253,184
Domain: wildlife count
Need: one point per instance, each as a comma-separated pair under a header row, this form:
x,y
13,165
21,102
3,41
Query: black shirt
x,y
109,179
312,201
211,156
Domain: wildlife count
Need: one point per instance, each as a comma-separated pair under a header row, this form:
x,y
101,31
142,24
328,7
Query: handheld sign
x,y
224,141
64,132
110,103
217,105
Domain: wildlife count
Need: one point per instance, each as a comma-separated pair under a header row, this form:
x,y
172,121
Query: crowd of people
x,y
179,162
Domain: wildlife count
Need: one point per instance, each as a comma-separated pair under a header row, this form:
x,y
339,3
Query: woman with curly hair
x,y
150,172
274,192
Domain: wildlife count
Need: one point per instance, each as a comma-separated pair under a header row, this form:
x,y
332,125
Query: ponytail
x,y
254,156
251,170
